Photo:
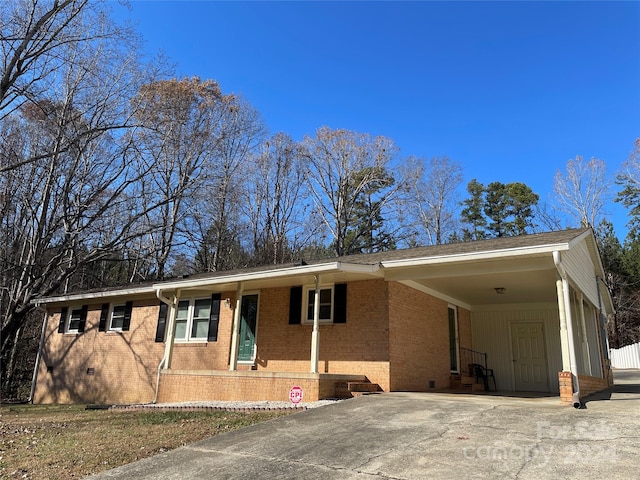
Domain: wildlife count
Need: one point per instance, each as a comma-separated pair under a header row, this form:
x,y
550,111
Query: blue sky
x,y
510,90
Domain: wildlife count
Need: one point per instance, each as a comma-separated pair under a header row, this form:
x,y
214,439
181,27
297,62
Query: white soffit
x,y
261,275
94,295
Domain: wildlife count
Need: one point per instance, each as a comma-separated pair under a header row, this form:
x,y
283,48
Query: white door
x,y
529,357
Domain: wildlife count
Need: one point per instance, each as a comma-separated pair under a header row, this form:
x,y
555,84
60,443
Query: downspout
x,y
34,379
169,303
573,364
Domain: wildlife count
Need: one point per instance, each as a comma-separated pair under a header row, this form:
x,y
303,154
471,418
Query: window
x,y
117,317
333,304
326,304
75,318
192,318
200,317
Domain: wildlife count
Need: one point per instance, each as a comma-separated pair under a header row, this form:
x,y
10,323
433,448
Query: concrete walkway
x,y
423,435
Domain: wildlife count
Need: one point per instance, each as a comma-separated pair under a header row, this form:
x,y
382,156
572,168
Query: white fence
x,y
625,357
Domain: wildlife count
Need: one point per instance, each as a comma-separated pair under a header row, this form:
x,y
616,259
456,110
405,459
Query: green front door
x,y
248,321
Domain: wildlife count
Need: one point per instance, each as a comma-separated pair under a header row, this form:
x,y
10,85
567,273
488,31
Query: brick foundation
x,y
566,387
182,386
588,385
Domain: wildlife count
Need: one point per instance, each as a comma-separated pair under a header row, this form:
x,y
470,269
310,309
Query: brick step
x,y
355,389
477,387
363,387
466,383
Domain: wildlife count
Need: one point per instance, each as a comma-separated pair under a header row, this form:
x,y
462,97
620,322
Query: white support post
x,y
315,334
566,328
235,335
171,330
564,339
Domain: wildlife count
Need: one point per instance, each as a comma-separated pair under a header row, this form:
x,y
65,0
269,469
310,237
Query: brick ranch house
x,y
404,320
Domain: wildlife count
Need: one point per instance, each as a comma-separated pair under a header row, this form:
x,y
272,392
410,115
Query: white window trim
x,y
305,303
457,334
111,310
67,324
190,311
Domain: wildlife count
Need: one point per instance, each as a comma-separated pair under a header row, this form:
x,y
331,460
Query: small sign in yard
x,y
295,394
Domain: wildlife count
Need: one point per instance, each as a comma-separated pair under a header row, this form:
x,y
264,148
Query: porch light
x,y
500,290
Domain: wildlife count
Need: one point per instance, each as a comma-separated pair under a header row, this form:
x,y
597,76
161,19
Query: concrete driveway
x,y
423,435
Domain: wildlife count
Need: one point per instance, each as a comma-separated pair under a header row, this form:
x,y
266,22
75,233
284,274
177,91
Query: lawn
x,y
55,442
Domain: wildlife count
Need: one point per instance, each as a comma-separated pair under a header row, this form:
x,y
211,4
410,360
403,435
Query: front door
x,y
529,357
248,322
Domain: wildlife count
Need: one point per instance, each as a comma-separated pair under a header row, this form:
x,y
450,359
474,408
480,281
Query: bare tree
x,y
42,43
583,191
277,207
218,216
341,165
181,132
69,192
435,197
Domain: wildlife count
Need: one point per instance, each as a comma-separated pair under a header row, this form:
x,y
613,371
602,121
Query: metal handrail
x,y
472,356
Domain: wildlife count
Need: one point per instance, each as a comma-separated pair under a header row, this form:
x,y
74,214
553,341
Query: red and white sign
x,y
295,394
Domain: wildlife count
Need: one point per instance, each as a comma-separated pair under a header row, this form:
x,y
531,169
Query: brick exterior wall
x,y
124,364
588,385
394,335
419,339
358,347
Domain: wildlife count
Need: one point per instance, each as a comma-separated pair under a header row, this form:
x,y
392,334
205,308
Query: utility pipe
x,y
34,379
573,364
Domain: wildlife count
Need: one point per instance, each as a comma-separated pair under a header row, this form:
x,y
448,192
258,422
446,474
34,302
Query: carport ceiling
x,y
524,280
519,287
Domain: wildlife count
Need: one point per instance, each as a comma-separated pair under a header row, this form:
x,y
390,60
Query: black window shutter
x,y
295,306
214,318
340,303
104,313
162,322
83,318
126,321
63,319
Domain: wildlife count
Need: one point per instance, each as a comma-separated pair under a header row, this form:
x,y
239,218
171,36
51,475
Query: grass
x,y
56,442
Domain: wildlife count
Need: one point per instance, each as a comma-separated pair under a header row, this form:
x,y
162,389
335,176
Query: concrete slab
x,y
423,435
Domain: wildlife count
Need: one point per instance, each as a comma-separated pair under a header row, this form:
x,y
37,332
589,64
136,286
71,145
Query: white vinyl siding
x,y
491,333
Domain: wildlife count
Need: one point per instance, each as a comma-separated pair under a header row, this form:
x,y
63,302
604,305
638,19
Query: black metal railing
x,y
469,357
